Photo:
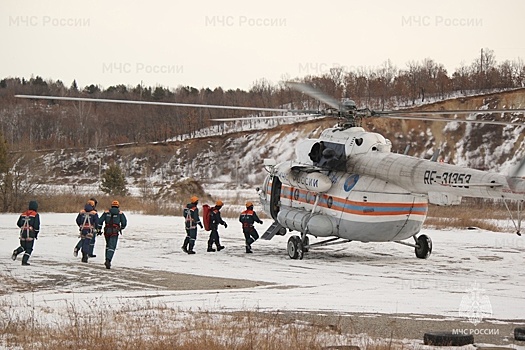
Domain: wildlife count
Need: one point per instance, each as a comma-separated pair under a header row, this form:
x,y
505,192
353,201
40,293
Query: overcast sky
x,y
234,43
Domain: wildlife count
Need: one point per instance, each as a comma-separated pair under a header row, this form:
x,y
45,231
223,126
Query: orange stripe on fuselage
x,y
357,208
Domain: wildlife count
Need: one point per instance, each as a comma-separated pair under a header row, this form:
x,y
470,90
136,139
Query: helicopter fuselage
x,y
355,207
348,184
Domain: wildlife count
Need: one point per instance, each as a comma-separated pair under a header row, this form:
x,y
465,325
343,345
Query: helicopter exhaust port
x,y
330,155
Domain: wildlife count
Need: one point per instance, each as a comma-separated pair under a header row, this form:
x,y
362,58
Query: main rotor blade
x,y
313,92
268,117
458,111
473,121
151,103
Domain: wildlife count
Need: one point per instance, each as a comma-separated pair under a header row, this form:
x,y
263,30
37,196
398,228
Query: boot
x,y
92,256
108,264
185,245
75,252
210,249
15,254
220,247
25,260
190,248
84,258
248,249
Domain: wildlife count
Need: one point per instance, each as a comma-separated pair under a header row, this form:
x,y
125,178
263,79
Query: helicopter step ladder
x,y
272,231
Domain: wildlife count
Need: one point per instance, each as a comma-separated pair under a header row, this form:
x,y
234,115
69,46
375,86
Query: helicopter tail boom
x,y
425,177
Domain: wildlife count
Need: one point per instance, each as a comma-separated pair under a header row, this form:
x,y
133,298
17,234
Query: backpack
x,y
206,213
111,228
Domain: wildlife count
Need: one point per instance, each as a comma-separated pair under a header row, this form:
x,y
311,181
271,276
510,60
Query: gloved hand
x,y
200,224
225,225
98,231
260,222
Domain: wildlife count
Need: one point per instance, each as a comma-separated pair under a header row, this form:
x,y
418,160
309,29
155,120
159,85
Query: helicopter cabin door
x,y
275,197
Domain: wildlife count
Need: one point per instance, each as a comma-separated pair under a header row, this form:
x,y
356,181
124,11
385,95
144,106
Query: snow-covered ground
x,y
467,268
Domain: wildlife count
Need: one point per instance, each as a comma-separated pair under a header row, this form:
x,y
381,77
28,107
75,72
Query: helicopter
x,y
347,184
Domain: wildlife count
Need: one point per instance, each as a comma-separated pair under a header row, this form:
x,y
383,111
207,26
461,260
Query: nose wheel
x,y
295,248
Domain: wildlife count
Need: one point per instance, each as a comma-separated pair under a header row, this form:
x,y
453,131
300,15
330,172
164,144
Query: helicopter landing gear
x,y
423,246
306,243
295,247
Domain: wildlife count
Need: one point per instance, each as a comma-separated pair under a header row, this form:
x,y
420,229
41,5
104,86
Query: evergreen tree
x,y
113,181
159,93
74,86
91,89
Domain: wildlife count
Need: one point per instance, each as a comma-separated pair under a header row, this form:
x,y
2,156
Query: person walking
x,y
114,222
29,224
248,218
91,253
215,220
191,215
87,221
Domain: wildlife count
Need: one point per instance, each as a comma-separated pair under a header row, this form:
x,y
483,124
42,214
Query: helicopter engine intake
x,y
311,181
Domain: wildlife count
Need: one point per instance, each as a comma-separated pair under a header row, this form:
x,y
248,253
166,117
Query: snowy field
x,y
467,267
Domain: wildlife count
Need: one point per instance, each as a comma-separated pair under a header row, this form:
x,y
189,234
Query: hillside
x,y
234,160
486,147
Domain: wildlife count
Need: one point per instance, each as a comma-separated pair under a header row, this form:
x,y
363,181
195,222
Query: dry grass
x,y
148,326
72,203
471,213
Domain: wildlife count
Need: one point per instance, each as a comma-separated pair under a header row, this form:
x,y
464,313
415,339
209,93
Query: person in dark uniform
x,y
191,215
215,220
87,221
248,218
29,223
114,222
78,247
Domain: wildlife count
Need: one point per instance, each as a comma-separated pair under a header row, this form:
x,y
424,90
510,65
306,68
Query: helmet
x,y
249,204
115,204
194,199
91,202
219,203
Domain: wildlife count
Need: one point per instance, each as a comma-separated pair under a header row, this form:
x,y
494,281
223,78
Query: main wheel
x,y
295,247
424,247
